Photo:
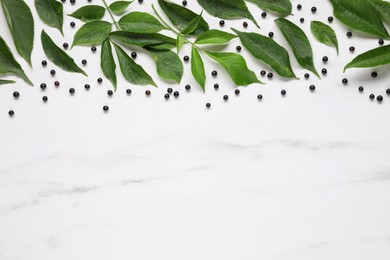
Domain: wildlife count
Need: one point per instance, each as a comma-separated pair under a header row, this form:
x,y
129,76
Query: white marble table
x,y
305,176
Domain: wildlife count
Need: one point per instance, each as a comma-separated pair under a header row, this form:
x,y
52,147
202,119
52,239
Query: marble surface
x,y
305,176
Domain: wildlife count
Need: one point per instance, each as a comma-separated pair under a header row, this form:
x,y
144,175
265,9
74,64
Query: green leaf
x,y
133,72
324,34
8,64
139,22
92,33
214,37
153,40
279,7
169,65
236,66
191,26
181,16
58,56
179,42
21,24
51,12
383,8
299,44
227,9
268,51
359,15
373,58
4,81
107,63
89,13
119,7
197,68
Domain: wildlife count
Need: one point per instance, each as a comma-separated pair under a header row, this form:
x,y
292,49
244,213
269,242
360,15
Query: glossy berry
x,y
134,55
176,94
381,41
314,9
72,24
245,24
208,105
169,90
188,87
374,74
270,75
56,83
388,91
325,59
349,34
52,72
222,23
128,91
16,94
140,1
166,96
283,92
238,48
45,99
226,97
302,20
44,63
110,93
43,86
263,72
307,75
72,2
72,91
99,80
361,89
105,108
330,19
379,98
65,45
299,6
312,87
11,113
345,81
372,96
263,14
351,49
237,92
87,86
184,2
324,71
259,97
271,34
186,58
147,92
216,86
214,73
93,48
84,62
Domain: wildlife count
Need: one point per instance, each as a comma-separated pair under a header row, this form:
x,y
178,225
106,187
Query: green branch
x,y
112,16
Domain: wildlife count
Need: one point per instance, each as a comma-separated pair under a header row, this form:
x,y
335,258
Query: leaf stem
x,y
172,29
112,16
